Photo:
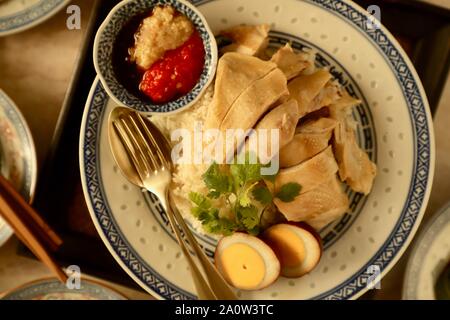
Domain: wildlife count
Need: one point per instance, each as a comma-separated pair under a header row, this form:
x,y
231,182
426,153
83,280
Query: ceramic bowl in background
x,y
18,161
53,289
429,257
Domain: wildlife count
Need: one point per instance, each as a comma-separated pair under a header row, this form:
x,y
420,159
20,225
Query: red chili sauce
x,y
176,73
169,78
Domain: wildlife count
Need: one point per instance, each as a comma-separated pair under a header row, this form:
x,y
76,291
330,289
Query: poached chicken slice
x,y
338,204
305,88
318,206
310,139
290,62
284,118
310,173
247,39
255,100
355,166
235,73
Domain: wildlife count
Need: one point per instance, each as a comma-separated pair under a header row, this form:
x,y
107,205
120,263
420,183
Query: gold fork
x,y
153,166
217,282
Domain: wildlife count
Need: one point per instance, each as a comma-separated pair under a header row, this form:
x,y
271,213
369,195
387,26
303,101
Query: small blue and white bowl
x,y
104,45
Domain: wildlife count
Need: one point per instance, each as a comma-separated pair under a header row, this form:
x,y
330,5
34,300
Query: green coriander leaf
x,y
198,212
199,200
262,194
209,217
253,172
238,173
244,199
220,226
242,187
268,177
214,214
246,172
288,192
248,217
244,195
203,214
214,194
216,180
255,231
252,167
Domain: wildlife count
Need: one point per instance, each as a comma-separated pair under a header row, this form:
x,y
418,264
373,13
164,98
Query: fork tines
x,y
140,142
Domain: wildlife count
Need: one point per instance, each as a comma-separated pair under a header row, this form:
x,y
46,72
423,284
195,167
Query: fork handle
x,y
204,292
217,282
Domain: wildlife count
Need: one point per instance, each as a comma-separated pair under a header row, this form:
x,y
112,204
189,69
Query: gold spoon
x,y
135,140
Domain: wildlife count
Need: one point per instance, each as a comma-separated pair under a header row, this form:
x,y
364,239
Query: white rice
x,y
186,177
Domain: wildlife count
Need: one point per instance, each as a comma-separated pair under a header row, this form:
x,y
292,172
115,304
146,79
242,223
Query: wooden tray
x,y
422,29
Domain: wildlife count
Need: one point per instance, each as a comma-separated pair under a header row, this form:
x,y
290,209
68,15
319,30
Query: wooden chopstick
x,y
29,216
29,227
31,240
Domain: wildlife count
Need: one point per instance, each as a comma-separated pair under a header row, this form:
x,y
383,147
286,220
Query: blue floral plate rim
x,y
30,16
49,285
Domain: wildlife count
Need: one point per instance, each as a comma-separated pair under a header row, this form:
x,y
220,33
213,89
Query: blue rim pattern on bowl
x,y
104,45
31,16
28,183
39,288
422,244
411,214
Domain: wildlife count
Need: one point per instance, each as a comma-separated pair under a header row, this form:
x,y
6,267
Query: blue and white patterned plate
x,y
53,289
394,127
17,154
19,15
429,257
103,54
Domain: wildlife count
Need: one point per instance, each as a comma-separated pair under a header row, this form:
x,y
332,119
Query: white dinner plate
x,y
394,127
19,15
17,155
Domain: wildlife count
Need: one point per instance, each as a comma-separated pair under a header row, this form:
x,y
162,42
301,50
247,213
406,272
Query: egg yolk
x,y
288,246
243,266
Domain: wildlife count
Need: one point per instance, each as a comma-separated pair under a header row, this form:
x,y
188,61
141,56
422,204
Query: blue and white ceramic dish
x,y
394,127
429,257
17,154
53,289
103,51
19,15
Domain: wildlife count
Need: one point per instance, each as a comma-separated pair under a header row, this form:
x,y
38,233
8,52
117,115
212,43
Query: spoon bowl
x,y
119,152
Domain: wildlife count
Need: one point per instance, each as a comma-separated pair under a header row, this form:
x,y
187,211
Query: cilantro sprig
x,y
288,192
209,216
242,187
